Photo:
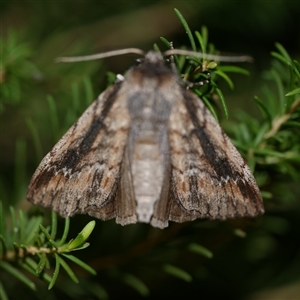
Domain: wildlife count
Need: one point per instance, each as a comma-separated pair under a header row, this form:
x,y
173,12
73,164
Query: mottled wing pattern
x,y
210,179
146,150
82,172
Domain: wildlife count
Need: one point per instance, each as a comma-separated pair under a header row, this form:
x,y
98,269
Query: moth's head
x,y
152,65
153,57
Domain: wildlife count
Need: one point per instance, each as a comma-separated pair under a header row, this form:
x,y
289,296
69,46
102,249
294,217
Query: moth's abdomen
x,y
148,145
147,175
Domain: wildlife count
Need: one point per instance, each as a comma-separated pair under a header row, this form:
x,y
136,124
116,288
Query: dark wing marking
x,y
210,179
81,173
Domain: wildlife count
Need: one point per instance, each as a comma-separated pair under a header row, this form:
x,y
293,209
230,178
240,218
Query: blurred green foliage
x,y
40,100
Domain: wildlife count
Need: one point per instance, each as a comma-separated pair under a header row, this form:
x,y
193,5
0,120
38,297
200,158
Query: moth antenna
x,y
243,58
101,55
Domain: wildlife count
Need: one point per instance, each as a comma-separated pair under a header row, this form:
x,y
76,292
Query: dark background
x,y
265,264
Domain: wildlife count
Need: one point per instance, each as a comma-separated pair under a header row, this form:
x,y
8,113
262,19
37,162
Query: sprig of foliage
x,y
196,70
28,245
15,68
272,145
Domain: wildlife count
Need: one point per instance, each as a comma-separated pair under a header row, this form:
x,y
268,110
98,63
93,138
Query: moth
x,y
146,150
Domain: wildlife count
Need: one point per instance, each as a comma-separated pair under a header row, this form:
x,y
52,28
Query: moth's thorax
x,y
152,72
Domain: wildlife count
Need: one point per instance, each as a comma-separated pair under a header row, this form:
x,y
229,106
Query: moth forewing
x,y
146,150
81,173
211,178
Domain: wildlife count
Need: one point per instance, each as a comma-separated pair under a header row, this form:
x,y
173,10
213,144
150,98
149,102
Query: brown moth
x,y
147,150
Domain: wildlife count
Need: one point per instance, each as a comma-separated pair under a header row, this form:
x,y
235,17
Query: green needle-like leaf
x,y
17,274
53,224
220,94
80,263
3,246
283,51
177,272
293,92
54,118
66,231
226,78
209,106
32,227
42,263
2,219
165,41
82,236
56,271
3,294
88,90
48,236
187,29
67,269
137,284
264,108
193,247
233,69
36,140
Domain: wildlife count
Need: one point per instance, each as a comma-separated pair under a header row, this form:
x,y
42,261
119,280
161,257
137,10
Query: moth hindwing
x,y
146,150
